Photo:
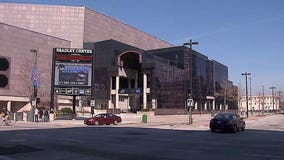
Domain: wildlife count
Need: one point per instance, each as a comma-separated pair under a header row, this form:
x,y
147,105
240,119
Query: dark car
x,y
103,118
227,122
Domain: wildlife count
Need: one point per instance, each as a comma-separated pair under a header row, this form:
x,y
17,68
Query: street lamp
x,y
35,76
272,90
189,99
279,94
263,99
190,43
246,74
251,108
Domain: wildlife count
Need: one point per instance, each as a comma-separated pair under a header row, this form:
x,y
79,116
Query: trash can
x,y
18,116
144,118
30,116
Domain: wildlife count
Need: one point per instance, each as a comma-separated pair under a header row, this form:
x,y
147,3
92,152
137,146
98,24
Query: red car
x,y
103,118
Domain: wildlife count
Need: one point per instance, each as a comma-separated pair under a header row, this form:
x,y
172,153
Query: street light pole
x,y
272,90
279,94
246,74
190,43
35,76
263,99
251,109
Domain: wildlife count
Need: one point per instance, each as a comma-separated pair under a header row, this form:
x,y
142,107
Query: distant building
x,y
260,103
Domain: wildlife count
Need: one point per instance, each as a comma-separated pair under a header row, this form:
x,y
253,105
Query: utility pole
x,y
189,100
272,90
279,94
35,78
246,74
263,99
225,93
251,108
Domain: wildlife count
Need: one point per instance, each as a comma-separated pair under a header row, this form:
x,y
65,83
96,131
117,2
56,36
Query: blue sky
x,y
245,35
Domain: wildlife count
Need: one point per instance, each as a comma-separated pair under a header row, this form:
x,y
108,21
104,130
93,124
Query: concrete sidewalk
x,y
200,121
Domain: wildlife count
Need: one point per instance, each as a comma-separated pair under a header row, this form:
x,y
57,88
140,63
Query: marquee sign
x,y
72,71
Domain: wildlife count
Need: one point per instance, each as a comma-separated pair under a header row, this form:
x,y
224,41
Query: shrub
x,y
66,110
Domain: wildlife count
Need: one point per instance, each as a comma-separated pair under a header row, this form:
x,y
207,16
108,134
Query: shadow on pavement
x,y
112,142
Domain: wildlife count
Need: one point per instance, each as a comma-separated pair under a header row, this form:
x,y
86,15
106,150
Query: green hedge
x,y
66,110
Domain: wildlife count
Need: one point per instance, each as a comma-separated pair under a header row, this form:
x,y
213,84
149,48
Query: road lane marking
x,y
17,140
6,158
262,155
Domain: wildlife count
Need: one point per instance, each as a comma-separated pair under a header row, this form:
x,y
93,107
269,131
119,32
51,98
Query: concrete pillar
x,y
213,105
110,104
205,106
116,91
195,105
9,106
220,106
129,83
209,106
144,91
136,79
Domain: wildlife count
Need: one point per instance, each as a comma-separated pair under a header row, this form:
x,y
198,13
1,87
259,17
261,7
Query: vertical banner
x,y
35,77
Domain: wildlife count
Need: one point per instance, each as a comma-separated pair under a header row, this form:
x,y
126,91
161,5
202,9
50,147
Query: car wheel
x,y
97,123
243,129
115,122
235,129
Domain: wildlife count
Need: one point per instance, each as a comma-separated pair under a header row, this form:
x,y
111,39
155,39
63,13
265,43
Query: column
x,y
110,104
213,105
195,106
136,79
116,92
144,91
9,106
129,83
205,106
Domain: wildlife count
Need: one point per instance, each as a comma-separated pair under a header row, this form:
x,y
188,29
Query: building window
x,y
121,98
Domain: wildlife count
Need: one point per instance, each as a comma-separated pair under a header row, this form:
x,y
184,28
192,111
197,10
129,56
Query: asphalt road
x,y
263,140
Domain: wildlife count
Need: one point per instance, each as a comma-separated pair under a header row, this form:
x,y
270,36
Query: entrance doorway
x,y
129,81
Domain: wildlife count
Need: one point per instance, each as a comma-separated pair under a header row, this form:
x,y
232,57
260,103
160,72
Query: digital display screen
x,y
68,74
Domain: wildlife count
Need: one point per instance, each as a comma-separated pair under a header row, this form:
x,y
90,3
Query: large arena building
x,y
133,71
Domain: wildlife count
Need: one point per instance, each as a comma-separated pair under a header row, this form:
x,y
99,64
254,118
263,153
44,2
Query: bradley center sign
x,y
71,72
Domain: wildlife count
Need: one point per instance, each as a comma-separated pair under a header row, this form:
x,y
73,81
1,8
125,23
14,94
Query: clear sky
x,y
245,35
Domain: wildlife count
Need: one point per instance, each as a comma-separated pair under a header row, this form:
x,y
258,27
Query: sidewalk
x,y
135,120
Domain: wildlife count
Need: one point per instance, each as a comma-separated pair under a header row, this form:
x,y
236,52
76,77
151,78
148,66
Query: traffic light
x,y
37,100
4,72
35,91
92,110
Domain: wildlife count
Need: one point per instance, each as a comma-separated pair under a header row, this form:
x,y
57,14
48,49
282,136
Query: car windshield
x,y
99,115
223,116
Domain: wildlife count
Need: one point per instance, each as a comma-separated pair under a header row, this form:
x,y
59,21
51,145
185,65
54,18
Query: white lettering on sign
x,y
189,102
74,50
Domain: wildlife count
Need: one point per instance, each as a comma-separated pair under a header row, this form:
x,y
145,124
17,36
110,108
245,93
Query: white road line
x,y
262,155
6,158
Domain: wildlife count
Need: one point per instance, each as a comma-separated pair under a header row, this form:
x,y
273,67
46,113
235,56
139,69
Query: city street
x,y
158,139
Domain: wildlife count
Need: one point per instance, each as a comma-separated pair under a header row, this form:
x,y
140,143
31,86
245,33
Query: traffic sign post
x,y
93,104
189,103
